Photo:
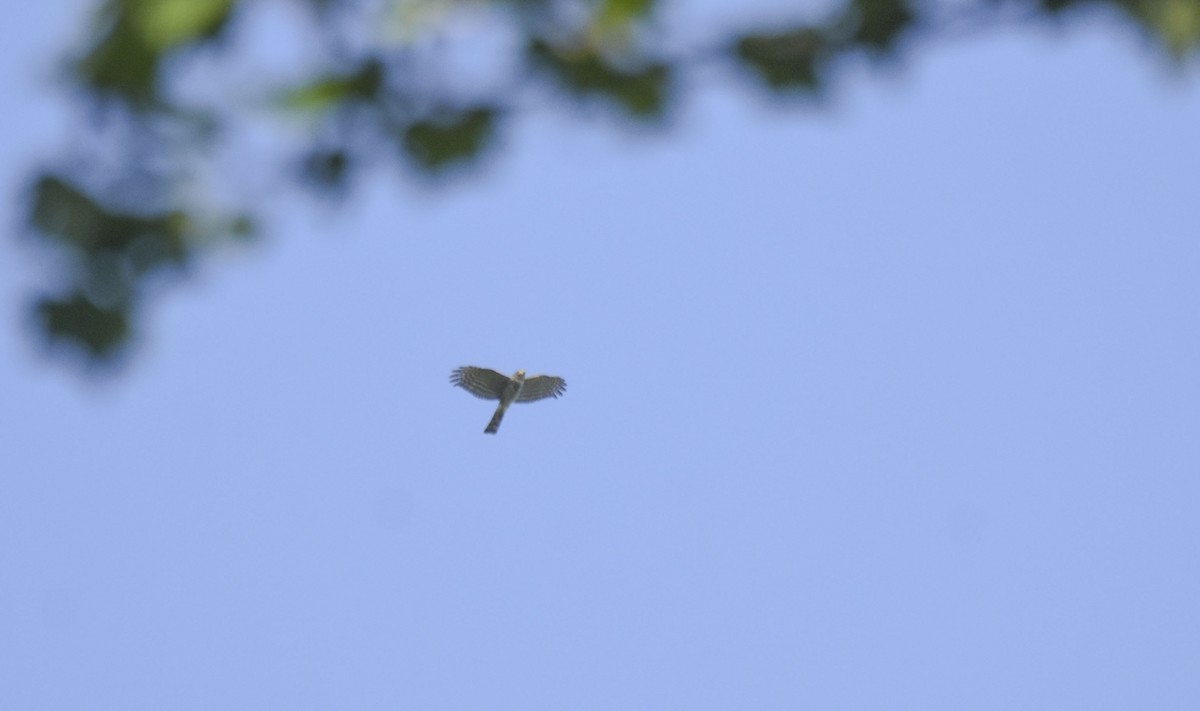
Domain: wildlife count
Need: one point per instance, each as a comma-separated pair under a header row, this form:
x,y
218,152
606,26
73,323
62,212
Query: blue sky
x,y
886,404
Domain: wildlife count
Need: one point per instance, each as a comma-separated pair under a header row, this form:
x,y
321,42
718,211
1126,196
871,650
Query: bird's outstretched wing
x,y
540,387
480,382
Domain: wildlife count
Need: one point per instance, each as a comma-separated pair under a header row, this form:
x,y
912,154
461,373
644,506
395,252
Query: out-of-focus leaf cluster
x,y
1173,25
108,254
433,143
372,104
109,241
584,71
797,58
132,38
379,97
585,52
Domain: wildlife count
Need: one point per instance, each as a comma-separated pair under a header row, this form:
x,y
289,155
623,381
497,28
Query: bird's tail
x,y
495,423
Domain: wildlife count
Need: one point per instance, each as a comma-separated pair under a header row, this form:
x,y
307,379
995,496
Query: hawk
x,y
490,385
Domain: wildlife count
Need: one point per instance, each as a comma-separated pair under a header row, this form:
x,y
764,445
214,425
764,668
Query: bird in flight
x,y
490,385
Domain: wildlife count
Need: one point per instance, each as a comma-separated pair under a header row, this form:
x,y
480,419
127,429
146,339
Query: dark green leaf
x,y
75,319
125,60
437,143
788,60
65,213
1173,23
332,90
642,92
880,22
122,64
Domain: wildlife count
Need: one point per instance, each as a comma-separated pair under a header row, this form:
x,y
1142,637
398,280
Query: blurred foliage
x,y
788,60
109,254
330,91
382,79
434,144
132,38
582,71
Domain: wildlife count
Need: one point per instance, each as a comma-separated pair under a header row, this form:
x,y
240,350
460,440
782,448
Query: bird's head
x,y
519,375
